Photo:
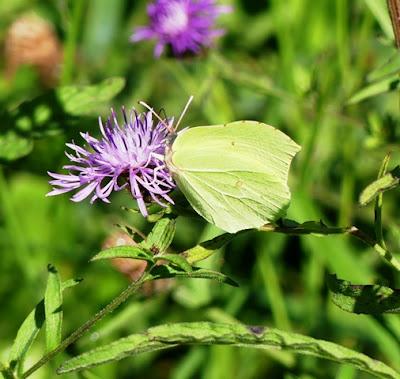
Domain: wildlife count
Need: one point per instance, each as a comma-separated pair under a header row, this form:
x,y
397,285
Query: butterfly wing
x,y
234,175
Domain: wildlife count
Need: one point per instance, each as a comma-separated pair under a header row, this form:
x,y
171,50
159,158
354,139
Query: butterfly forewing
x,y
234,175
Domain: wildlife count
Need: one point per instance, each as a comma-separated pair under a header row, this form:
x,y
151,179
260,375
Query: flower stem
x,y
115,303
71,43
325,230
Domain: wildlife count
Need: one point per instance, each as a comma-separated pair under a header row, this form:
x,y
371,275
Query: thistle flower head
x,y
130,156
185,25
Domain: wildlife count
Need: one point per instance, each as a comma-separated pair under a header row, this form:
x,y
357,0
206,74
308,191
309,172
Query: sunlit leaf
x,y
369,299
53,308
385,183
207,248
133,252
30,327
208,333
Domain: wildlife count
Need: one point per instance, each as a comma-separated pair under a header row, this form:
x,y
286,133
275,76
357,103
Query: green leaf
x,y
391,83
390,67
83,100
161,272
14,146
177,260
209,333
160,237
368,299
385,183
207,248
379,10
133,252
53,309
29,329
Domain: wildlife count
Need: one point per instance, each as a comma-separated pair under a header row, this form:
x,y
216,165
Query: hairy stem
x,y
115,303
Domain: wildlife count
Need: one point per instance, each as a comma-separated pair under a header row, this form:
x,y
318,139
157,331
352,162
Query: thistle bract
x,y
185,25
129,156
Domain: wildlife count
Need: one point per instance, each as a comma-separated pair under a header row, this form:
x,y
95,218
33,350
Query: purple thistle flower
x,y
185,25
128,156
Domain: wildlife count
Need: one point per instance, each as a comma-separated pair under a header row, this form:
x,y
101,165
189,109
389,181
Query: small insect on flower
x,y
184,25
129,156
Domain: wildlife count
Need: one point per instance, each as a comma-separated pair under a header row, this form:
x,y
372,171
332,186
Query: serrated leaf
x,y
385,183
161,272
133,252
177,260
29,329
209,333
391,83
83,100
160,237
367,299
53,308
14,146
207,248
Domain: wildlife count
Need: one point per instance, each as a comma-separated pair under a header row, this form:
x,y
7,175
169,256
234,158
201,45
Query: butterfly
x,y
233,175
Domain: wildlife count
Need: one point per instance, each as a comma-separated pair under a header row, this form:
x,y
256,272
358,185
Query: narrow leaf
x,y
207,248
29,329
391,83
132,252
209,333
161,236
379,10
385,183
53,309
160,272
368,299
177,260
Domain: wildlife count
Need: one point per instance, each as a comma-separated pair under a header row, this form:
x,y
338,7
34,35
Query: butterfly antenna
x,y
155,114
183,112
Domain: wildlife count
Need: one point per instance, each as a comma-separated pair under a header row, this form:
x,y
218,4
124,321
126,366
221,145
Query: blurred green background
x,y
293,64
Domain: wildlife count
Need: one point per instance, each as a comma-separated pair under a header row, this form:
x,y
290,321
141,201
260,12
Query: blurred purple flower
x,y
131,155
185,25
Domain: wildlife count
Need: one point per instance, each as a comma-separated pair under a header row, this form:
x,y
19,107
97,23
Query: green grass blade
x,y
53,308
208,333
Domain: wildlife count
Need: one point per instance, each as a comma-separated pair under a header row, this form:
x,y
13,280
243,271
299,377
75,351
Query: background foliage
x,y
318,71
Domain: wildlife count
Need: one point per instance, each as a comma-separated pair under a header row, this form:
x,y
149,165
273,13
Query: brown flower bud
x,y
31,40
133,268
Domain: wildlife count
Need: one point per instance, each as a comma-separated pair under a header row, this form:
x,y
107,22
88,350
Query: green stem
x,y
325,230
115,303
71,41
